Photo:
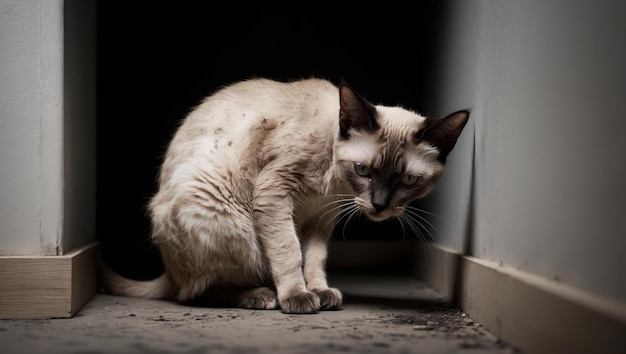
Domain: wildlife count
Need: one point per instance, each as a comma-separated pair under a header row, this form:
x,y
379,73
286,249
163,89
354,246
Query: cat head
x,y
391,156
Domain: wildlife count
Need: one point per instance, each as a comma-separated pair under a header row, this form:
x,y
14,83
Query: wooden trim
x,y
532,313
47,286
437,266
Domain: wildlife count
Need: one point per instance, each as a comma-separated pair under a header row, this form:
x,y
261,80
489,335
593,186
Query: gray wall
x,y
47,120
546,82
79,125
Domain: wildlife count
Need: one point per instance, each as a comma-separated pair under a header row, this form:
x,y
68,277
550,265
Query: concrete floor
x,y
381,314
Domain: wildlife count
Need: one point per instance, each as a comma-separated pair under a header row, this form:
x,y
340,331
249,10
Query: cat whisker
x,y
411,217
347,210
401,222
415,226
342,198
406,219
351,211
413,211
337,210
424,211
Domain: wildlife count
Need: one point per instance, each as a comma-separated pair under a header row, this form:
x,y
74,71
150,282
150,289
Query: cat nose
x,y
379,207
380,198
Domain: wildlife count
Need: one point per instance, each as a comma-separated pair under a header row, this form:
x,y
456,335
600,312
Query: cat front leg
x,y
275,227
315,253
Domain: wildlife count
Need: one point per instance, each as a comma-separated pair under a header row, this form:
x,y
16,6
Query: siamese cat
x,y
256,177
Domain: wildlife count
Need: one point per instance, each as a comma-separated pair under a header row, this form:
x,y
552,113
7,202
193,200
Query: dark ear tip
x,y
465,112
460,117
348,93
344,85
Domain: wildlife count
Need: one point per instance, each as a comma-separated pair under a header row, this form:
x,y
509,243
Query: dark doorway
x,y
156,60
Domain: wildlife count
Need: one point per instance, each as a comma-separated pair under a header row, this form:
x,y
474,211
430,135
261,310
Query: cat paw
x,y
258,299
330,299
302,303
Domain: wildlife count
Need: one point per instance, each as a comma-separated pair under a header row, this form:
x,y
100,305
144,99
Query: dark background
x,y
157,60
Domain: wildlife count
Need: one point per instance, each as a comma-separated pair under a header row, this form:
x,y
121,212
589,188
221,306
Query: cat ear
x,y
443,133
355,112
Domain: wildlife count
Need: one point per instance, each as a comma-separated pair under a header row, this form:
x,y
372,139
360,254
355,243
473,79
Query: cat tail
x,y
115,284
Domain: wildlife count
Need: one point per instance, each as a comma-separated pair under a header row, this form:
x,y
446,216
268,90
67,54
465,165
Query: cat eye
x,y
410,180
362,170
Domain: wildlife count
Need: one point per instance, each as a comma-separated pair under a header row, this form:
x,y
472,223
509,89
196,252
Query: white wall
x,y
546,81
30,126
41,115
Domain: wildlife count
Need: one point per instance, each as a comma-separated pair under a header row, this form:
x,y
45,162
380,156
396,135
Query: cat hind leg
x,y
261,298
255,298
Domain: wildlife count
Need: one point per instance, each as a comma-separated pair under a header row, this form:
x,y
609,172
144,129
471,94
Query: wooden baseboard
x,y
536,315
47,286
437,266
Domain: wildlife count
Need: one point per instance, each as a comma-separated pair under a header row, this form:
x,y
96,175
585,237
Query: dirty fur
x,y
258,174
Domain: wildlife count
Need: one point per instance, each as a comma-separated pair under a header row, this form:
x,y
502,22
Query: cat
x,y
255,178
